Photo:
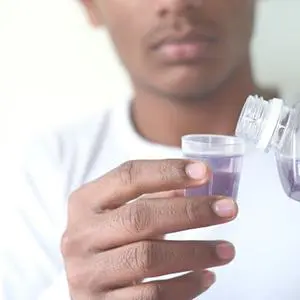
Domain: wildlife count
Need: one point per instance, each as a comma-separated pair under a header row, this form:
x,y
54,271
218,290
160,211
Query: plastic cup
x,y
224,155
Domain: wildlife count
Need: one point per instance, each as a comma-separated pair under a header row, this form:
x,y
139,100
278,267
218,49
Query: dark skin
x,y
184,97
111,245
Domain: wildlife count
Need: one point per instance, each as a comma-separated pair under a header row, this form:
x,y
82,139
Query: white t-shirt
x,y
266,232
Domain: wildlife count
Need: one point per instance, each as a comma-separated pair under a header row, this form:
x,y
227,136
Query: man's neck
x,y
163,121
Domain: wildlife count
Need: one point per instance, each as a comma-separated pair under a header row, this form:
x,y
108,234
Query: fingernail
x,y
196,171
208,279
225,251
224,208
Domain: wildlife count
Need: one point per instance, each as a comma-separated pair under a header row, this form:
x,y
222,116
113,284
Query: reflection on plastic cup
x,y
224,156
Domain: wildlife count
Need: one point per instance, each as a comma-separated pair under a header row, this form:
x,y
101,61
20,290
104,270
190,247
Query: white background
x,y
54,68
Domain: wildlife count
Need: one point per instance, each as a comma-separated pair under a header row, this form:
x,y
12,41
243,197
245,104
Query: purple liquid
x,y
225,177
289,172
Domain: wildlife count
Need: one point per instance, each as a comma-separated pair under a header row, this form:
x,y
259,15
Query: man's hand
x,y
110,246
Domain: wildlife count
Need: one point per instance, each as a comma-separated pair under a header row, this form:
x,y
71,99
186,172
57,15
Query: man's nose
x,y
175,7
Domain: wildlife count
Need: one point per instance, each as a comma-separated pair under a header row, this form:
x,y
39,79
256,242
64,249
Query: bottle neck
x,y
264,123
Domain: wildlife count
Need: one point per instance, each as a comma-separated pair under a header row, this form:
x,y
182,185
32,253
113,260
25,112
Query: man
x,y
190,67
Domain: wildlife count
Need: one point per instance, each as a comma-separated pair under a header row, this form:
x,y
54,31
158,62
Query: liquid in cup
x,y
224,156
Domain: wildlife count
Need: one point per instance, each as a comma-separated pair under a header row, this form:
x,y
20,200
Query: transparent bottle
x,y
274,126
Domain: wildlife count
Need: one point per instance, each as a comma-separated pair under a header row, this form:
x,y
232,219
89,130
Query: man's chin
x,y
182,84
186,84
182,94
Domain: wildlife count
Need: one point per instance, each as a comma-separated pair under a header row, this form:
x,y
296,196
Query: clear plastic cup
x,y
224,156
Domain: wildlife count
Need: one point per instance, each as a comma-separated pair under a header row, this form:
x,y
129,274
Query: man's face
x,y
179,48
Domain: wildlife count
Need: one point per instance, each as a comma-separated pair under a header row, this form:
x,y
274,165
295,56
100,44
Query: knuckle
x,y
77,203
146,254
141,257
71,245
75,280
137,218
150,292
80,277
65,244
191,212
76,277
128,173
74,197
172,169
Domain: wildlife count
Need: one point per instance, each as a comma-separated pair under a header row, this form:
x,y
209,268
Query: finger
x,y
164,194
134,262
156,196
135,178
185,287
145,219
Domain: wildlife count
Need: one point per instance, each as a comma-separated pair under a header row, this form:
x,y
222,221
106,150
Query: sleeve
x,y
33,216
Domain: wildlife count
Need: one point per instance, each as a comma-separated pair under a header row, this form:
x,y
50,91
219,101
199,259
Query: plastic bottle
x,y
274,126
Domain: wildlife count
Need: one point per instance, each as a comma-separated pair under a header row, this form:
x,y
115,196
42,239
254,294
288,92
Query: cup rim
x,y
190,138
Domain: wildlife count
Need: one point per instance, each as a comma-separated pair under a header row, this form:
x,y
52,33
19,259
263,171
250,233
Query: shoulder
x,y
57,159
60,143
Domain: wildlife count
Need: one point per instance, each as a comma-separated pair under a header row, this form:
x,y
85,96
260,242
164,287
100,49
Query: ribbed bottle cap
x,y
258,120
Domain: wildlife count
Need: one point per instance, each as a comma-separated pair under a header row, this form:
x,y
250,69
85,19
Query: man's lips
x,y
184,51
189,47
